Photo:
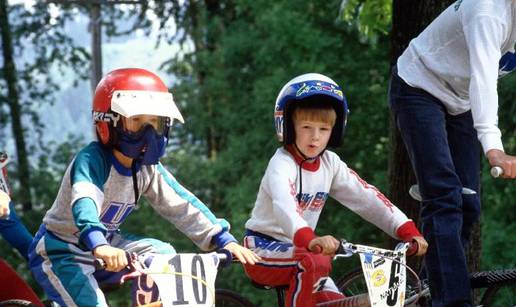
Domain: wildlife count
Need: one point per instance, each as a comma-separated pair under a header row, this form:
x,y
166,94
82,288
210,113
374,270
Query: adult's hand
x,y
507,162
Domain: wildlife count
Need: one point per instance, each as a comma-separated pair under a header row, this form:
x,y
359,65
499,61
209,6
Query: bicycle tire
x,y
229,298
17,303
353,283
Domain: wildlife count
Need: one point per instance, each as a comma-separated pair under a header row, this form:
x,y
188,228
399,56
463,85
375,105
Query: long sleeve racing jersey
x,y
97,195
278,213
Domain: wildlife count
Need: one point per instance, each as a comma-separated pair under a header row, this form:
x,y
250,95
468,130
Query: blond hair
x,y
325,115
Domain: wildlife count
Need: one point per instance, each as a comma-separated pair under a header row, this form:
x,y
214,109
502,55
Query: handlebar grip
x,y
99,264
341,250
496,171
413,248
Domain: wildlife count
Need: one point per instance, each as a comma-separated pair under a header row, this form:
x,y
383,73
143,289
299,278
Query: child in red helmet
x,y
133,112
310,114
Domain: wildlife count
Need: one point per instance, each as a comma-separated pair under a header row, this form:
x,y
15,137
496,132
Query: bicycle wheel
x,y
499,296
16,303
228,298
353,283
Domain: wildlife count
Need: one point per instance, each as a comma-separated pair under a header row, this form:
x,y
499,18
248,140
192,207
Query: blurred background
x,y
225,62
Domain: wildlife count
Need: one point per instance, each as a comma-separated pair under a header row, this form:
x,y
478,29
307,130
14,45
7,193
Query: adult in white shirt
x,y
443,94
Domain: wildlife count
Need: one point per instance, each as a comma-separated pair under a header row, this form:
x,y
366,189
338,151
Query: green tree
x,y
372,18
34,45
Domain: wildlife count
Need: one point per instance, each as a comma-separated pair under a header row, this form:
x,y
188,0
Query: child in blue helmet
x,y
133,112
310,114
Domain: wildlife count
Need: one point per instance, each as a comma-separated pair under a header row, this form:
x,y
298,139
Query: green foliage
x,y
243,52
43,49
372,18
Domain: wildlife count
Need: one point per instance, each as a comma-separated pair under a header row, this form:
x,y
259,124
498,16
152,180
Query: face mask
x,y
132,144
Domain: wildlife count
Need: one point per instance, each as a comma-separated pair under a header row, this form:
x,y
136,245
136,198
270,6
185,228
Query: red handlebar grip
x,y
413,248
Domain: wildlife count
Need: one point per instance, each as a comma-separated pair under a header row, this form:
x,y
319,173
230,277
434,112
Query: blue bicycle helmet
x,y
315,88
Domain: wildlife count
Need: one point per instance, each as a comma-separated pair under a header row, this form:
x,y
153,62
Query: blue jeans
x,y
445,155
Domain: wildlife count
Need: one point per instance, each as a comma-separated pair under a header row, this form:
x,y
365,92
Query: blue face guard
x,y
147,144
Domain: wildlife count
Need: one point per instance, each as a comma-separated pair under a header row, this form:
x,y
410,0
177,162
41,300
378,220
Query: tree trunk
x,y
10,76
95,28
409,18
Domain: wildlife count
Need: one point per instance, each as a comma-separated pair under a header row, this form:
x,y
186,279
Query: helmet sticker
x,y
106,117
307,88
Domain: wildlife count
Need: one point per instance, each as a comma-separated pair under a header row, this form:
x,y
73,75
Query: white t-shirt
x,y
459,57
278,214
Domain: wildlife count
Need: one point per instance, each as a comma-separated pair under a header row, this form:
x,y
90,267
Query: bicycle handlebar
x,y
347,249
225,259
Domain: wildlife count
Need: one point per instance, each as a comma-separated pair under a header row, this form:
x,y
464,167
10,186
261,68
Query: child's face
x,y
312,136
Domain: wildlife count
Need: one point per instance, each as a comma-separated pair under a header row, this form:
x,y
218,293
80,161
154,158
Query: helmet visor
x,y
131,103
135,125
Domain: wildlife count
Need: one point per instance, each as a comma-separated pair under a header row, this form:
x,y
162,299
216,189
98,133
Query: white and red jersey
x,y
278,214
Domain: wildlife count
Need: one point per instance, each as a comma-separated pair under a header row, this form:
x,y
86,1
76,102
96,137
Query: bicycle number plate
x,y
385,278
185,279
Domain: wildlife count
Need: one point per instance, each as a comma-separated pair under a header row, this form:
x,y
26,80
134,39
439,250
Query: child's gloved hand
x,y
328,245
115,258
421,246
243,254
4,204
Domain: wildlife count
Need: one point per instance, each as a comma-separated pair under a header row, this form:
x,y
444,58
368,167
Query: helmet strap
x,y
134,167
305,158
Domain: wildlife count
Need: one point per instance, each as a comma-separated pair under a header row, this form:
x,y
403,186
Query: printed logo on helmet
x,y
106,117
306,88
278,121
